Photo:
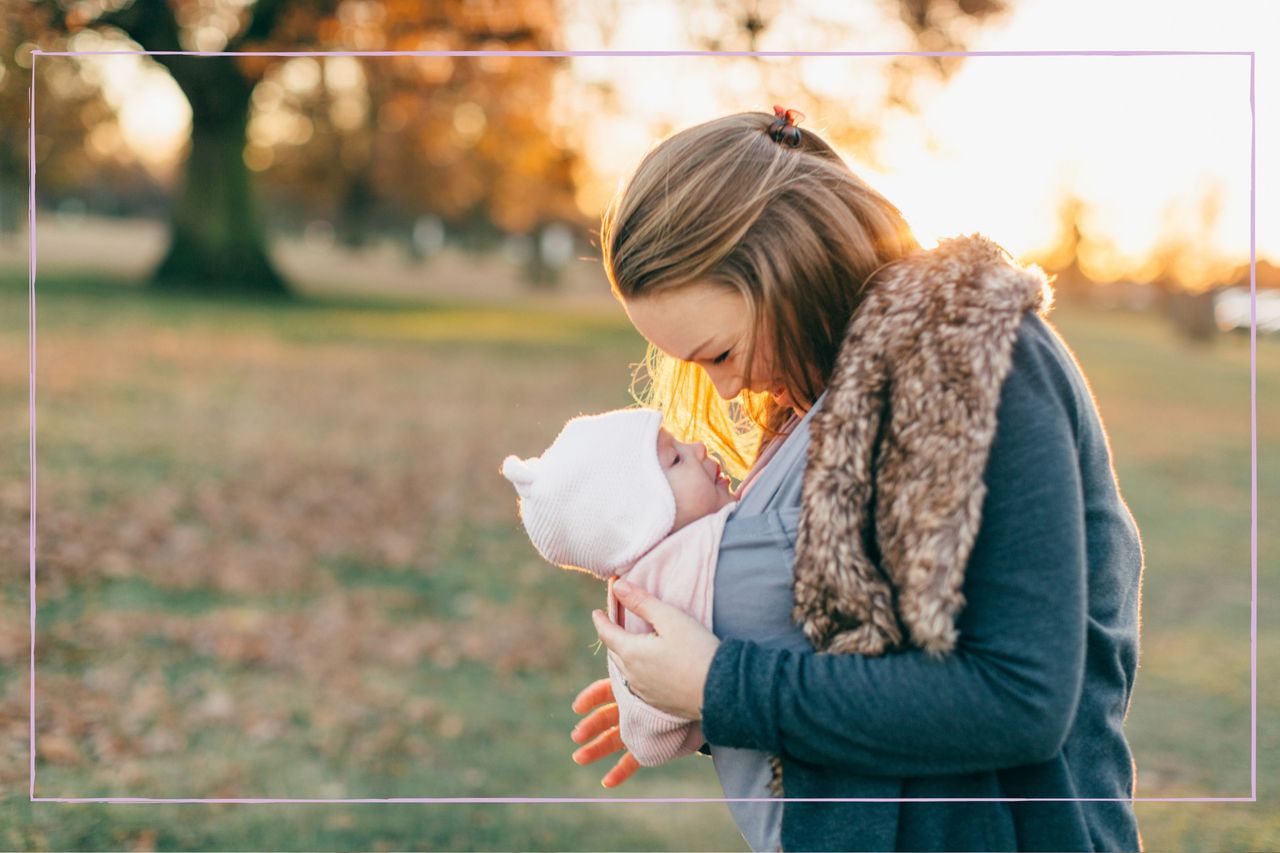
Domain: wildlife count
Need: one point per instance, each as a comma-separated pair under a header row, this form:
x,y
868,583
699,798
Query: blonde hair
x,y
793,230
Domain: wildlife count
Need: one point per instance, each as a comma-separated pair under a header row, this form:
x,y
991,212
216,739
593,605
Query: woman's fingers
x,y
595,693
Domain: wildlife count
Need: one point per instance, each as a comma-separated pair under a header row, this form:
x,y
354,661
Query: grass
x,y
276,559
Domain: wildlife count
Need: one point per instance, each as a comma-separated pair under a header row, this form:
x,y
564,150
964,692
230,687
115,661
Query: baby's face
x,y
699,487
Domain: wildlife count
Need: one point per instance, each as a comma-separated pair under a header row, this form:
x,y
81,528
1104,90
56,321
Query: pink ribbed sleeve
x,y
679,570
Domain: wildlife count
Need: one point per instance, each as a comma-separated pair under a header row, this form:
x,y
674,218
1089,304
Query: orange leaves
x,y
59,749
262,544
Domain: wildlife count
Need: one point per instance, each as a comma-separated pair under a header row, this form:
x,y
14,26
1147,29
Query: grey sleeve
x,y
1008,693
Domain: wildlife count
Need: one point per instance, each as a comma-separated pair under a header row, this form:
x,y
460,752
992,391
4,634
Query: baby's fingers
x,y
622,771
606,744
595,693
601,719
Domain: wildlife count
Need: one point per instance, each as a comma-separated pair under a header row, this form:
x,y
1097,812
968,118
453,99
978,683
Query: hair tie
x,y
784,127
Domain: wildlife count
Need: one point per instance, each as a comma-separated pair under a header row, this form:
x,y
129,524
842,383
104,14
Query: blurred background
x,y
293,312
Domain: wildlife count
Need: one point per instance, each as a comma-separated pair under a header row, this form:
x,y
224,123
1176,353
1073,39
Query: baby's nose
x,y
699,449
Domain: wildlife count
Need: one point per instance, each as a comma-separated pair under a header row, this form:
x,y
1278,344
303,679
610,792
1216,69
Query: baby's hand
x,y
602,725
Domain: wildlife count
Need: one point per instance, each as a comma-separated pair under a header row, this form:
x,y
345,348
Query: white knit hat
x,y
597,499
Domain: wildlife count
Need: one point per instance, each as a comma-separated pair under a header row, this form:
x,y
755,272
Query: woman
x,y
947,608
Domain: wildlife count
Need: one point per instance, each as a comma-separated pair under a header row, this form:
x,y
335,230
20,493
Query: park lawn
x,y
277,560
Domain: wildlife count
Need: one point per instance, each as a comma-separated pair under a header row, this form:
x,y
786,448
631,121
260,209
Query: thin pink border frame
x,y
1253,424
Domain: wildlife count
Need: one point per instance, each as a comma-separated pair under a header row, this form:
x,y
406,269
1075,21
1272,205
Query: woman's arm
x,y
1008,694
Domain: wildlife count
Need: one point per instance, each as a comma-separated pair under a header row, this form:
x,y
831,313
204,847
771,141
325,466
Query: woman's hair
x,y
793,230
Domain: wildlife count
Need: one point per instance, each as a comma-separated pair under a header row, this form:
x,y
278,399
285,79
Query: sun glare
x,y
155,118
1155,148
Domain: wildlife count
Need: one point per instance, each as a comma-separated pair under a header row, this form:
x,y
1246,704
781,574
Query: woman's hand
x,y
667,668
602,725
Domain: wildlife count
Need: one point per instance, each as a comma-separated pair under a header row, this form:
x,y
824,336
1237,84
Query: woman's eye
x,y
721,357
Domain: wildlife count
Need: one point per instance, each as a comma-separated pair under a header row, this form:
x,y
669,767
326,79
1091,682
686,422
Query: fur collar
x,y
893,490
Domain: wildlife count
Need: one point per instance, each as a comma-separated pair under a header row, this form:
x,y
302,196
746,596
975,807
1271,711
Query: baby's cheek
x,y
708,499
685,510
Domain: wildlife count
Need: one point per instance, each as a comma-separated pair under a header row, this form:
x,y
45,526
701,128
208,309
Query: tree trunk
x,y
1193,315
9,190
217,238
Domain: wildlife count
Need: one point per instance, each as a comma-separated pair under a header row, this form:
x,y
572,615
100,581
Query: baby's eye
x,y
721,357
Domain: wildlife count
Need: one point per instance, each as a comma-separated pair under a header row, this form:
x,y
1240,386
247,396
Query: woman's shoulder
x,y
1040,348
1044,379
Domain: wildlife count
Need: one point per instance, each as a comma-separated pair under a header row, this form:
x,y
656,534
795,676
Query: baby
x,y
614,495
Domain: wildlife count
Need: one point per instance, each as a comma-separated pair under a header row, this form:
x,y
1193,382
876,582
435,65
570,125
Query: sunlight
x,y
996,150
1156,147
155,118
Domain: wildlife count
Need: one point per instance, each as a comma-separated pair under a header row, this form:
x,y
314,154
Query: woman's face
x,y
709,326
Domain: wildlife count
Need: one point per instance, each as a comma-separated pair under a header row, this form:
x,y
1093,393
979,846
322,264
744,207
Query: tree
x,y
761,25
843,98
1185,274
217,224
1070,281
465,139
65,154
217,236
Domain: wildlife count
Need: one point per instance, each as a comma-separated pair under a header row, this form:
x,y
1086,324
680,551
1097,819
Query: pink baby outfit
x,y
598,501
679,570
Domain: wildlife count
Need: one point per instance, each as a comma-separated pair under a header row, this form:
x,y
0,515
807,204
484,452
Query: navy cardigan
x,y
1029,705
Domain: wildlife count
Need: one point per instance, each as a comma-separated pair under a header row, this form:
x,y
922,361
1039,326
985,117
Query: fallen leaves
x,y
59,749
196,490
